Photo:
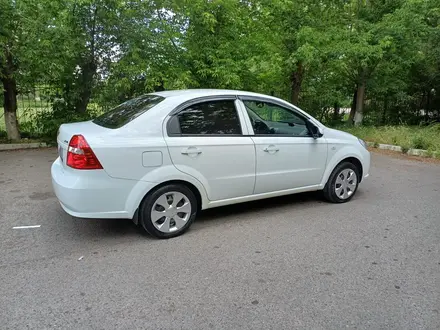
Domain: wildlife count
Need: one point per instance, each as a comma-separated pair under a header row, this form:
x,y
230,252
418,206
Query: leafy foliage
x,y
405,136
379,58
45,124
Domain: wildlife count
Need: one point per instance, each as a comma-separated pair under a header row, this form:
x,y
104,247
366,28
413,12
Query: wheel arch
x,y
356,162
344,155
187,184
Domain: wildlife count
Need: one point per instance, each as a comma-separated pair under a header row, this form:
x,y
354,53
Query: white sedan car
x,y
162,157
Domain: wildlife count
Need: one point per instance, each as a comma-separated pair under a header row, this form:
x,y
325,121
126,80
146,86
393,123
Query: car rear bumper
x,y
94,194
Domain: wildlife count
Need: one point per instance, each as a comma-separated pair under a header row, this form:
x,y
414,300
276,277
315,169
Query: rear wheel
x,y
168,211
342,183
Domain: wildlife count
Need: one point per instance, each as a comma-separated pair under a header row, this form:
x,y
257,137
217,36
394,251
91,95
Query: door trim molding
x,y
254,197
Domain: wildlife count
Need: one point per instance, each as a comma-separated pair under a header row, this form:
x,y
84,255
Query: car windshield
x,y
127,111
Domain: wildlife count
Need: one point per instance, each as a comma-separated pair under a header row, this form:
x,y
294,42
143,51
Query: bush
x,y
419,142
45,124
419,137
405,149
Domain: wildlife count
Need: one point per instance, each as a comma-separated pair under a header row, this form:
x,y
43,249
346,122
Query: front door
x,y
287,155
206,141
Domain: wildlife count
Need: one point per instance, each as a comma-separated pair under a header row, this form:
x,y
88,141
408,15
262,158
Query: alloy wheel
x,y
345,184
170,212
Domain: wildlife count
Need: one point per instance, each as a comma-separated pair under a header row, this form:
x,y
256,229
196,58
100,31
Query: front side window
x,y
271,119
207,118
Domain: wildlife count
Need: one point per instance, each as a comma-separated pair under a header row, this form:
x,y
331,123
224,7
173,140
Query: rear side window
x,y
127,111
207,118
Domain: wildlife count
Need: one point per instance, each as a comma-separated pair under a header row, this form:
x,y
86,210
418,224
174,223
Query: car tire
x,y
176,204
342,183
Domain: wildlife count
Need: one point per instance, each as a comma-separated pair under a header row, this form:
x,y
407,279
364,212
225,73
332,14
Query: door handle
x,y
191,151
271,149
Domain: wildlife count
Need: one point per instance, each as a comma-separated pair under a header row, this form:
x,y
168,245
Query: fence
x,y
29,103
33,101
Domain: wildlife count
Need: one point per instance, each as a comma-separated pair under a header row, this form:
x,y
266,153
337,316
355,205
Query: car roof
x,y
188,94
175,98
180,96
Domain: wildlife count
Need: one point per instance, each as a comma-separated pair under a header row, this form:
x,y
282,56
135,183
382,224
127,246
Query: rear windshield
x,y
127,111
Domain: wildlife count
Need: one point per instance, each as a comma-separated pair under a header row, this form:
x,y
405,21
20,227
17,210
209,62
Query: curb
x,y
411,152
18,146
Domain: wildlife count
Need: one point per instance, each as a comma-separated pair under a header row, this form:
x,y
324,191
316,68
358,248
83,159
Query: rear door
x,y
287,155
206,139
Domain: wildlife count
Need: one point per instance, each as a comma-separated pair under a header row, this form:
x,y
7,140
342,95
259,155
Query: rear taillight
x,y
80,156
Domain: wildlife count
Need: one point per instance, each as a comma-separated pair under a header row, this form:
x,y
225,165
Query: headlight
x,y
362,142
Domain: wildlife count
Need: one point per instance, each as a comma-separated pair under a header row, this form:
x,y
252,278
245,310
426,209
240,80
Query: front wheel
x,y
168,211
342,183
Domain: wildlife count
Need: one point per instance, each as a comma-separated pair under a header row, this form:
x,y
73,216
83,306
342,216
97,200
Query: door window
x,y
271,119
207,118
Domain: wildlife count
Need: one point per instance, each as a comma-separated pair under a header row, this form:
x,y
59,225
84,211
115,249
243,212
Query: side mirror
x,y
314,130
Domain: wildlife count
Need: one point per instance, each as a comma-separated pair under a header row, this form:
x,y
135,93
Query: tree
x,y
151,54
91,39
363,46
300,27
24,51
379,56
216,42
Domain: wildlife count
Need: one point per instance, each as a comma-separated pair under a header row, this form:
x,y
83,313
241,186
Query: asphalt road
x,y
286,263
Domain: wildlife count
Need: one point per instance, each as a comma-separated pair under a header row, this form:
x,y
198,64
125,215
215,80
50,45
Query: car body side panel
x,y
166,174
345,152
299,162
283,160
124,157
129,175
342,145
254,197
93,194
225,165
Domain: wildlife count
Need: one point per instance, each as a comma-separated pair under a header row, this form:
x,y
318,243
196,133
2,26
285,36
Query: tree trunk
x,y
10,106
296,80
88,68
86,85
353,108
10,97
359,115
336,112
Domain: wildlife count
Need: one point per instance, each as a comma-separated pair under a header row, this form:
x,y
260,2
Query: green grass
x,y
407,137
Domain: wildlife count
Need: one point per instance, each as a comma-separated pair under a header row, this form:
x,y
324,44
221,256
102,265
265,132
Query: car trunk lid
x,y
66,131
